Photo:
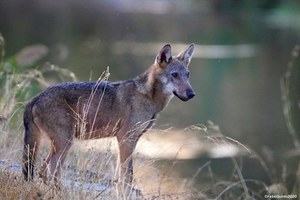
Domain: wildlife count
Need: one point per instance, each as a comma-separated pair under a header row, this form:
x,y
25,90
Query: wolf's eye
x,y
175,74
188,74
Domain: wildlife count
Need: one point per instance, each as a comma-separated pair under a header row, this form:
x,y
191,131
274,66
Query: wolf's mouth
x,y
180,97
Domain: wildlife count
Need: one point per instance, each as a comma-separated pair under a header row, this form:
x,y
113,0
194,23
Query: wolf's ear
x,y
164,57
186,55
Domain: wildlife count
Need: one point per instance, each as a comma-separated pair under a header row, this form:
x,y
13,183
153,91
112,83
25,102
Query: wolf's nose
x,y
190,94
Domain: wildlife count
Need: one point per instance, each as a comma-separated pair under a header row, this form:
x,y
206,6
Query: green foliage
x,y
24,75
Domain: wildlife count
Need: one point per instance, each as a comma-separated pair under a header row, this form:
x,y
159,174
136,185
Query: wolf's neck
x,y
152,87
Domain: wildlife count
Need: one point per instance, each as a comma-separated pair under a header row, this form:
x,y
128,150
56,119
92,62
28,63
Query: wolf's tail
x,y
31,143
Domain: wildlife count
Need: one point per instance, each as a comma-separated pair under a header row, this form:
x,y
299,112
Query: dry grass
x,y
89,173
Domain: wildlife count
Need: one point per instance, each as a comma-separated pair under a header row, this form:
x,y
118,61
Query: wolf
x,y
91,110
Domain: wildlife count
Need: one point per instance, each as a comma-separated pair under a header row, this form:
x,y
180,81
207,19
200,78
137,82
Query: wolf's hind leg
x,y
56,159
44,168
31,145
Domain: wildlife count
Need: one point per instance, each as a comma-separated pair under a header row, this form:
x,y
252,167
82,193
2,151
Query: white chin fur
x,y
168,89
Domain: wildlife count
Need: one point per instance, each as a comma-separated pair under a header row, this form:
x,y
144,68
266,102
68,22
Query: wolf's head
x,y
174,73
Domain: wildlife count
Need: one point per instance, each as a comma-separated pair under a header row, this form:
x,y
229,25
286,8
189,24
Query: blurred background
x,y
243,50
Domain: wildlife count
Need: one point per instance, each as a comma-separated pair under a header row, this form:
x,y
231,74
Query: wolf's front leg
x,y
125,167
